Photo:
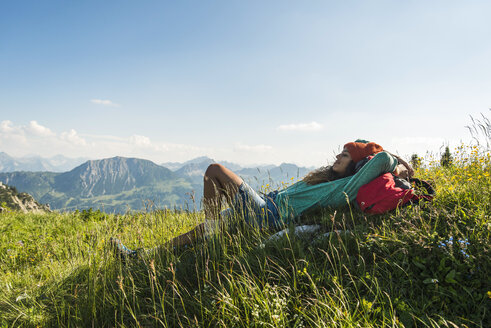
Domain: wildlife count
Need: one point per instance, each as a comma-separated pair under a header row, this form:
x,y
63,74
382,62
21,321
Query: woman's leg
x,y
218,182
184,239
188,237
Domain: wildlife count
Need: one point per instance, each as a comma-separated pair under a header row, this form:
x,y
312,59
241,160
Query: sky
x,y
250,82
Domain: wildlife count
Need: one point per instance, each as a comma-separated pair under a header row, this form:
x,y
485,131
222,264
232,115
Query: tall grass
x,y
420,266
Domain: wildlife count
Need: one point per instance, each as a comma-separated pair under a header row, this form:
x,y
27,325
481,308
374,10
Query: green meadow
x,y
419,266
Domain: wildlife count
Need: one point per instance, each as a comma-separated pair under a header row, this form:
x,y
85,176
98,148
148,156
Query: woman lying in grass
x,y
331,186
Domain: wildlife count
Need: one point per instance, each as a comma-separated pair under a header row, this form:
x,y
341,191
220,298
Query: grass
x,y
418,266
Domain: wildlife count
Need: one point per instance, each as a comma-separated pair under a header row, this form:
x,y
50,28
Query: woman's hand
x,y
403,169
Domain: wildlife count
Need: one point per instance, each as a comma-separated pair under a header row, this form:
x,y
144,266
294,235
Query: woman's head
x,y
342,167
345,163
343,160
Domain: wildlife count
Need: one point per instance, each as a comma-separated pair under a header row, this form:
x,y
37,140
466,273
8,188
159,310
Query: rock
x,y
20,201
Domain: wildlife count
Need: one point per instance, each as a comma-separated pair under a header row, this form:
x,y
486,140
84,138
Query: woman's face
x,y
342,162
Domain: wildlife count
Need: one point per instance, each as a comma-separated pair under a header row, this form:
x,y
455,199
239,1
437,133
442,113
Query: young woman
x,y
331,186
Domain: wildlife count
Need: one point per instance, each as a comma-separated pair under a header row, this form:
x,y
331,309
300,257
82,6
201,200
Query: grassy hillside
x,y
416,267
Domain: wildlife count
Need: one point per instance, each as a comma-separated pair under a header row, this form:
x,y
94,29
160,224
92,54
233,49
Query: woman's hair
x,y
326,174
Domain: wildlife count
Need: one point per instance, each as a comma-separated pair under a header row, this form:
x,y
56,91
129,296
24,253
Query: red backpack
x,y
387,192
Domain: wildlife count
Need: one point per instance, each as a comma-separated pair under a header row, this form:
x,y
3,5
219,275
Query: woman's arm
x,y
381,163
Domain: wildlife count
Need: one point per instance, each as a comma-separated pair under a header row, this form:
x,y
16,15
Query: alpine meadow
x,y
425,265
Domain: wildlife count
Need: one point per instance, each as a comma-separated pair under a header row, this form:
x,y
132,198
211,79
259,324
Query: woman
x,y
332,186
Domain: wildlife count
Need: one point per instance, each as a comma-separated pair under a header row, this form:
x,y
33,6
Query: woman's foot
x,y
121,250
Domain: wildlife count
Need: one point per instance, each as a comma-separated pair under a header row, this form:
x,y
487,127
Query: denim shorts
x,y
260,211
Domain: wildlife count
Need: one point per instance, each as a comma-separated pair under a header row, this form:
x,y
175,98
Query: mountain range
x,y
119,184
58,163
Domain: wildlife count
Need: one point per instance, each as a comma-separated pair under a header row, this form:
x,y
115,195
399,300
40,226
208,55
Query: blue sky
x,y
243,81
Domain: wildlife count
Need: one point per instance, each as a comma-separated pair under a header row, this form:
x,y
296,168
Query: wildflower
x,y
489,294
119,281
463,243
152,266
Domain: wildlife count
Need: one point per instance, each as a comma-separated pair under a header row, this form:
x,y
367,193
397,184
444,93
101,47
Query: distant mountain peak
x,y
35,163
111,175
199,160
202,160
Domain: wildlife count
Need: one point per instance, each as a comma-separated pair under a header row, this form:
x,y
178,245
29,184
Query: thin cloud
x,y
254,148
419,141
104,102
38,130
73,138
140,141
6,126
312,126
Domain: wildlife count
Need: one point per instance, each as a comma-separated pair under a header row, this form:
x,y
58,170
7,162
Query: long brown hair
x,y
326,174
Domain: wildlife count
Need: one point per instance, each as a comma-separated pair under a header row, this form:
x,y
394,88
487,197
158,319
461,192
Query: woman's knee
x,y
214,170
220,174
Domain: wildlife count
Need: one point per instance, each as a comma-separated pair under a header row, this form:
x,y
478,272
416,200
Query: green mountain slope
x,y
113,184
111,176
36,184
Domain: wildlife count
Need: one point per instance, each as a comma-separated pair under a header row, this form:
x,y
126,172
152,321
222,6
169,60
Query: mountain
x,y
35,183
113,184
8,163
174,166
231,166
256,177
110,176
195,170
58,163
11,199
274,176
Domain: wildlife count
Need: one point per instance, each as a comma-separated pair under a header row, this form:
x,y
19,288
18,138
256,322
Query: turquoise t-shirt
x,y
299,197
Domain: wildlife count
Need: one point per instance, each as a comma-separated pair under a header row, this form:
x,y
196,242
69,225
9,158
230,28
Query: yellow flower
x,y
489,294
